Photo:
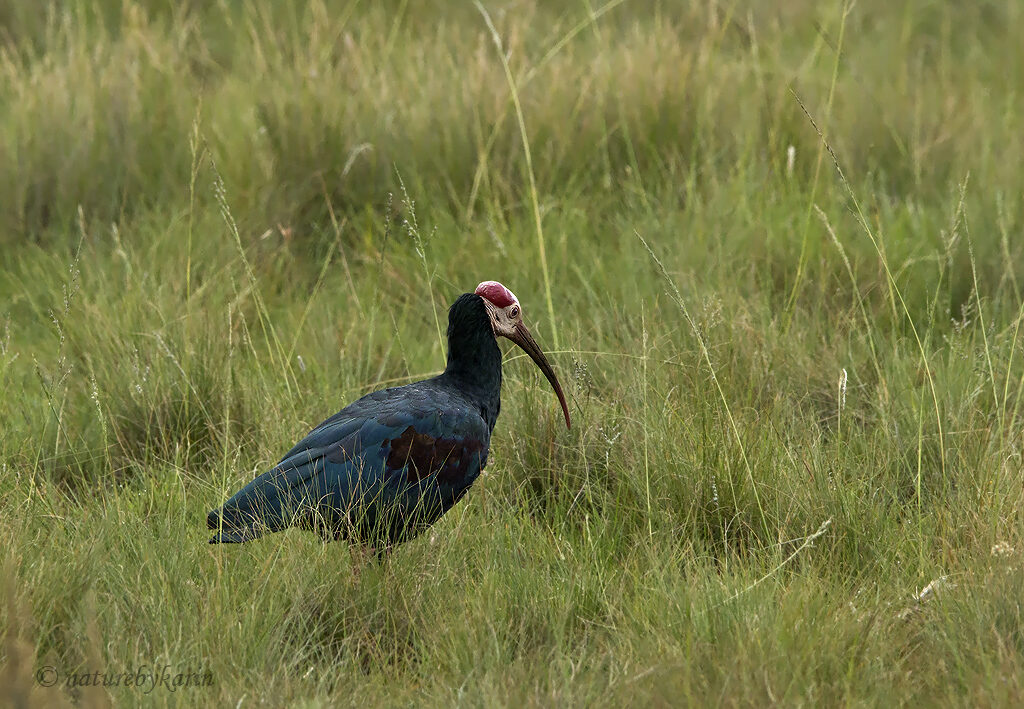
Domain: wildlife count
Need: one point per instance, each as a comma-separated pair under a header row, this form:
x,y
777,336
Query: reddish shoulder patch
x,y
422,454
496,293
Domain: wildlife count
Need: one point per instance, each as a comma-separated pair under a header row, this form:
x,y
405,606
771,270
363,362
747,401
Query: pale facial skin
x,y
504,320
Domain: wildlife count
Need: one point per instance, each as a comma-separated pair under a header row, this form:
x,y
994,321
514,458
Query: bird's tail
x,y
228,532
269,503
234,536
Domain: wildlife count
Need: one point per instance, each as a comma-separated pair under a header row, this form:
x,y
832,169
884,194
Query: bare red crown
x,y
496,293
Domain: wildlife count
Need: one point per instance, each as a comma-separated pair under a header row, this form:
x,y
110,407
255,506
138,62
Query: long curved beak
x,y
522,337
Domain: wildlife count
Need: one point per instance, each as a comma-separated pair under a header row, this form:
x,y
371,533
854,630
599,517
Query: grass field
x,y
773,249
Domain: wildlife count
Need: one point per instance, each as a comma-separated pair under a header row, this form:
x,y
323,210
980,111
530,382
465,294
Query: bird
x,y
390,464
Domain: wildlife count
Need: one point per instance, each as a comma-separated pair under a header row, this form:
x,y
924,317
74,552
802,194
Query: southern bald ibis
x,y
390,464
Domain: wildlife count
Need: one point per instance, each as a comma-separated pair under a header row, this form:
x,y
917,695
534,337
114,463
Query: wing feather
x,y
410,461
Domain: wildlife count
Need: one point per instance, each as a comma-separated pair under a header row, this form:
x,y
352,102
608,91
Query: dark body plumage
x,y
390,464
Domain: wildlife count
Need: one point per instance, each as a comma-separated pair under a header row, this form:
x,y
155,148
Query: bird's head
x,y
506,317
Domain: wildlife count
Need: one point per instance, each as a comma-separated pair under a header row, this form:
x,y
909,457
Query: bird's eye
x,y
514,311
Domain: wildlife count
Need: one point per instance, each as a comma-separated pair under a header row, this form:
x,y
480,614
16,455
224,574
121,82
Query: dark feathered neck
x,y
474,359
